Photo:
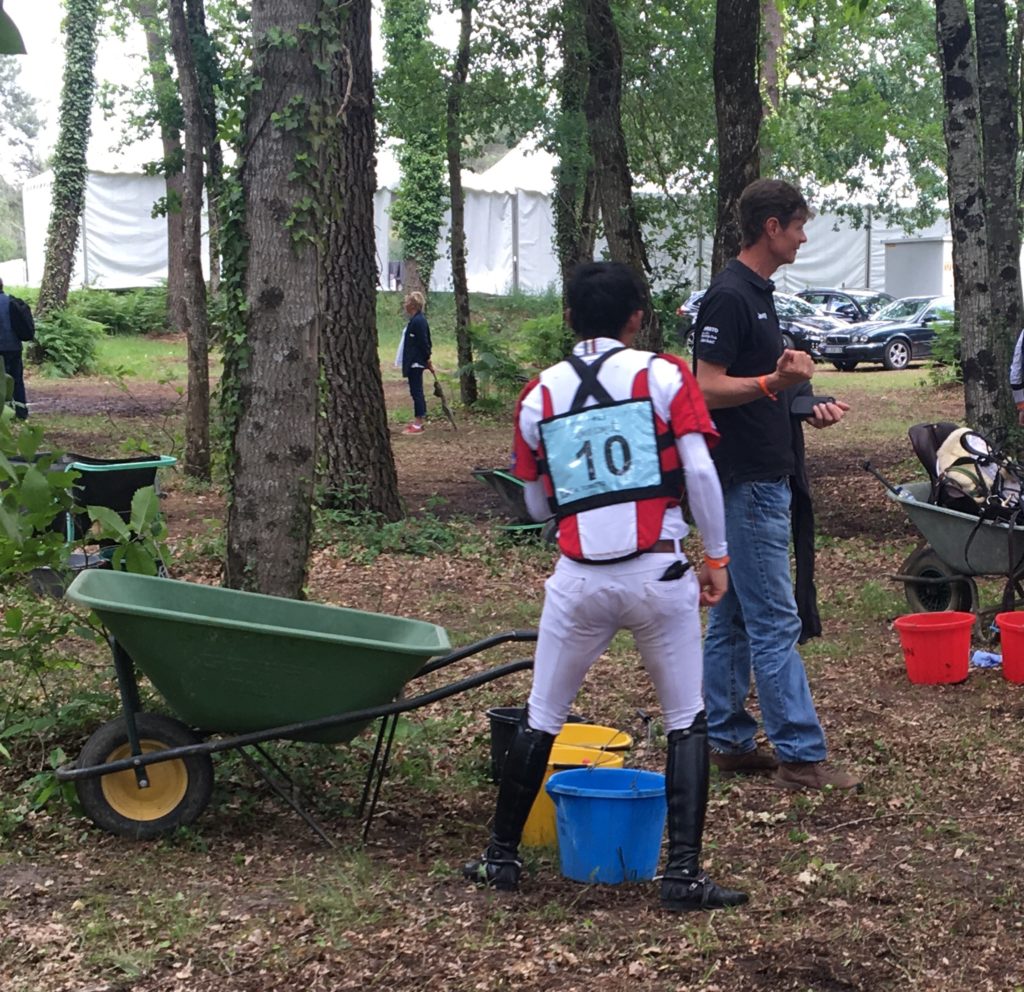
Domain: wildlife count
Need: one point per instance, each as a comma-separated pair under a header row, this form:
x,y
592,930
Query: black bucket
x,y
504,720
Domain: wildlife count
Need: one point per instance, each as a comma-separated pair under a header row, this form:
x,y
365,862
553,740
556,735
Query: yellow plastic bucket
x,y
540,830
594,735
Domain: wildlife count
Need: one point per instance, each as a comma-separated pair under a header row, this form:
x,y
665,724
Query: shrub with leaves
x,y
34,495
65,344
137,311
139,544
946,352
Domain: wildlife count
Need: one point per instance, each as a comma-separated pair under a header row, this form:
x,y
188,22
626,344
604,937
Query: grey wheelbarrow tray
x,y
959,546
254,668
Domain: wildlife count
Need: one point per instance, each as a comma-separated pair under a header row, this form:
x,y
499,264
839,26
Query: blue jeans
x,y
419,401
756,627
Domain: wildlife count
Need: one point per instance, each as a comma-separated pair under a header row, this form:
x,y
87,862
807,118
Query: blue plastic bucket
x,y
609,823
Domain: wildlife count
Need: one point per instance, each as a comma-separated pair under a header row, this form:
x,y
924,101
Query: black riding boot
x,y
521,776
684,886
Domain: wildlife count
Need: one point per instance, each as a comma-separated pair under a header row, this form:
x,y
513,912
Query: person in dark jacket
x,y
415,360
10,351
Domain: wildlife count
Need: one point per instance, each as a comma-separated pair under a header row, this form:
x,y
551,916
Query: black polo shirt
x,y
737,327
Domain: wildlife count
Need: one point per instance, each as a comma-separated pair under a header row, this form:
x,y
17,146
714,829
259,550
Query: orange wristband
x,y
716,562
762,381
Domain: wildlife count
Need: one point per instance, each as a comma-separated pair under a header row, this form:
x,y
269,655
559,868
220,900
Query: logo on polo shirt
x,y
762,316
709,335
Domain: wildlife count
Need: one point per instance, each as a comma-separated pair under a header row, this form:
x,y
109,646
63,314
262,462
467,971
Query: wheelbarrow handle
x,y
68,773
895,490
477,646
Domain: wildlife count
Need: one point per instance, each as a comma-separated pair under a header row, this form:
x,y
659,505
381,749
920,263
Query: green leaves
x,y
33,497
140,543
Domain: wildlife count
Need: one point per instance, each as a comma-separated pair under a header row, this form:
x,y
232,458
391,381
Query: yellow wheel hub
x,y
168,783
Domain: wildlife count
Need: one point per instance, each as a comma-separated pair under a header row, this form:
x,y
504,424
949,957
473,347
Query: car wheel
x,y
845,366
896,354
787,341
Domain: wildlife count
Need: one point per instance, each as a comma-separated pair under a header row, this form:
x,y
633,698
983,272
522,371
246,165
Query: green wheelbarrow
x,y
249,669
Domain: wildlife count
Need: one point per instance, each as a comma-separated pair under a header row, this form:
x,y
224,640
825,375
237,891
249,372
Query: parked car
x,y
900,333
687,314
803,326
852,305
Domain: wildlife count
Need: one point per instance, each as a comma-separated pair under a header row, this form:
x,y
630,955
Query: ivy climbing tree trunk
x,y
456,90
69,162
273,456
739,111
986,368
965,172
197,400
575,206
412,93
359,466
608,146
168,110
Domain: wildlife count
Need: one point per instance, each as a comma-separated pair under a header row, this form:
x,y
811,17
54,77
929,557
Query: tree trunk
x,y
412,281
359,467
608,145
986,368
738,111
208,73
575,205
168,108
772,19
69,160
197,403
965,173
274,441
457,86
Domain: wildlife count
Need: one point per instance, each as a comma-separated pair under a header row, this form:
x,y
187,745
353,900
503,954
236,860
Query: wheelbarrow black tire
x,y
933,598
179,788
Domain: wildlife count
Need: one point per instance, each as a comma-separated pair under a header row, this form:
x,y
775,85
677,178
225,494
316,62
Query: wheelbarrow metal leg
x,y
288,795
128,688
381,771
373,764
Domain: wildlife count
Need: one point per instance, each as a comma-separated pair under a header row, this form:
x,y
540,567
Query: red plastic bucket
x,y
1011,639
936,646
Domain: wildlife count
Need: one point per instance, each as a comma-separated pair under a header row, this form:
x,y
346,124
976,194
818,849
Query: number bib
x,y
602,455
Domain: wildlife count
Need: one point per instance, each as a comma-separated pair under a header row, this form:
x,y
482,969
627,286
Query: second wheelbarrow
x,y
253,667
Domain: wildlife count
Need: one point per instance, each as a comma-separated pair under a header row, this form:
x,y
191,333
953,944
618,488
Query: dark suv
x,y
852,305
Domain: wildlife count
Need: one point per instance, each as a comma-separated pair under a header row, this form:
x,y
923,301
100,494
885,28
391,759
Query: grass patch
x,y
152,359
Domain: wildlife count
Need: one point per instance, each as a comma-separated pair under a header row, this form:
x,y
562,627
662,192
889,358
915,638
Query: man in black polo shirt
x,y
749,381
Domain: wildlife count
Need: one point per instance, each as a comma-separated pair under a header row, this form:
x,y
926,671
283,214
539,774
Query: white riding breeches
x,y
586,605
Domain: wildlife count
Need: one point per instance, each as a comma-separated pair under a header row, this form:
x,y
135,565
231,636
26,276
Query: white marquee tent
x,y
509,233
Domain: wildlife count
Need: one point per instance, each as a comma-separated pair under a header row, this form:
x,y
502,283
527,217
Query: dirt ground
x,y
914,884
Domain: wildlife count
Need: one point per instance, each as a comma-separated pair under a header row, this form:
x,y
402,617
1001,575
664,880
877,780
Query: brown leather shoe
x,y
814,775
759,761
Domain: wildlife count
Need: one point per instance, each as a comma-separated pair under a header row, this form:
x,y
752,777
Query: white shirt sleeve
x,y
1017,370
536,501
703,493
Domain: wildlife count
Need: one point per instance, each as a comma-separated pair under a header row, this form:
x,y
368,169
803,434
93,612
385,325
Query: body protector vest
x,y
610,464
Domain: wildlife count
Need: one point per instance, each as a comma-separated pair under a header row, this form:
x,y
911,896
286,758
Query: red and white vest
x,y
608,461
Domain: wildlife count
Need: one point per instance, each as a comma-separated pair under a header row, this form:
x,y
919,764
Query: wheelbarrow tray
x,y
512,492
235,662
965,544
